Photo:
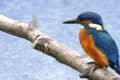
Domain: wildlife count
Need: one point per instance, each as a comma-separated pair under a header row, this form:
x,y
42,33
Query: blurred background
x,y
18,61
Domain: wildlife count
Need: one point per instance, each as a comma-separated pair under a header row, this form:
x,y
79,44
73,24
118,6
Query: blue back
x,y
106,44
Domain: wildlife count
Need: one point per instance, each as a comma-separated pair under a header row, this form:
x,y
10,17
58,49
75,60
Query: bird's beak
x,y
73,21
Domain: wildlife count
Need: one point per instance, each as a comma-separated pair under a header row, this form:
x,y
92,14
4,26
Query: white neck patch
x,y
96,26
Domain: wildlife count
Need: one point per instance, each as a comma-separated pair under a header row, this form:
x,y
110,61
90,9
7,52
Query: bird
x,y
96,40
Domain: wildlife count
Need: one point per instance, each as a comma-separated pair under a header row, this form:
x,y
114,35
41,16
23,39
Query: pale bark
x,y
50,47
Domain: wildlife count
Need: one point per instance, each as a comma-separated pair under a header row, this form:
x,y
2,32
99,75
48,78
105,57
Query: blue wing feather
x,y
107,45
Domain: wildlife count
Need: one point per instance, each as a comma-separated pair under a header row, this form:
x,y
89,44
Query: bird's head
x,y
89,20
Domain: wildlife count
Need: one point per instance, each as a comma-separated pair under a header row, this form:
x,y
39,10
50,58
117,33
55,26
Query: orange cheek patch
x,y
87,21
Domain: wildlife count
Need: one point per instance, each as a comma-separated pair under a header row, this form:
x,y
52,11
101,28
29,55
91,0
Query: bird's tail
x,y
117,66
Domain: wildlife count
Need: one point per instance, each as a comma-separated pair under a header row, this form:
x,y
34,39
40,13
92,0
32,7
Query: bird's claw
x,y
96,66
91,69
92,62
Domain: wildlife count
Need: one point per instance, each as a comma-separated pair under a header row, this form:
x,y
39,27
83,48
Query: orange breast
x,y
89,46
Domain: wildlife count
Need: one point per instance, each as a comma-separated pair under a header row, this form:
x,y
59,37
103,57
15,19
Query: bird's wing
x,y
106,44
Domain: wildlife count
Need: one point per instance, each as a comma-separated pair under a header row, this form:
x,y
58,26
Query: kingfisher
x,y
96,41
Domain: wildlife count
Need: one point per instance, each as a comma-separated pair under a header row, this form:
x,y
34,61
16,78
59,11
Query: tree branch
x,y
50,47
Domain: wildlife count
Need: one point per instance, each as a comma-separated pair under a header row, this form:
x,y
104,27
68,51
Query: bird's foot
x,y
96,66
92,68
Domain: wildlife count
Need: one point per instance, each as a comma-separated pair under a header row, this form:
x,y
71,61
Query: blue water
x,y
18,61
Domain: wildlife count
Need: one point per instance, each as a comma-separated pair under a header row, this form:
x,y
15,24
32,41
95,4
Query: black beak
x,y
73,21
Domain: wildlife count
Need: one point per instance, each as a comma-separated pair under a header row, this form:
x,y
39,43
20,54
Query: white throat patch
x,y
96,26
